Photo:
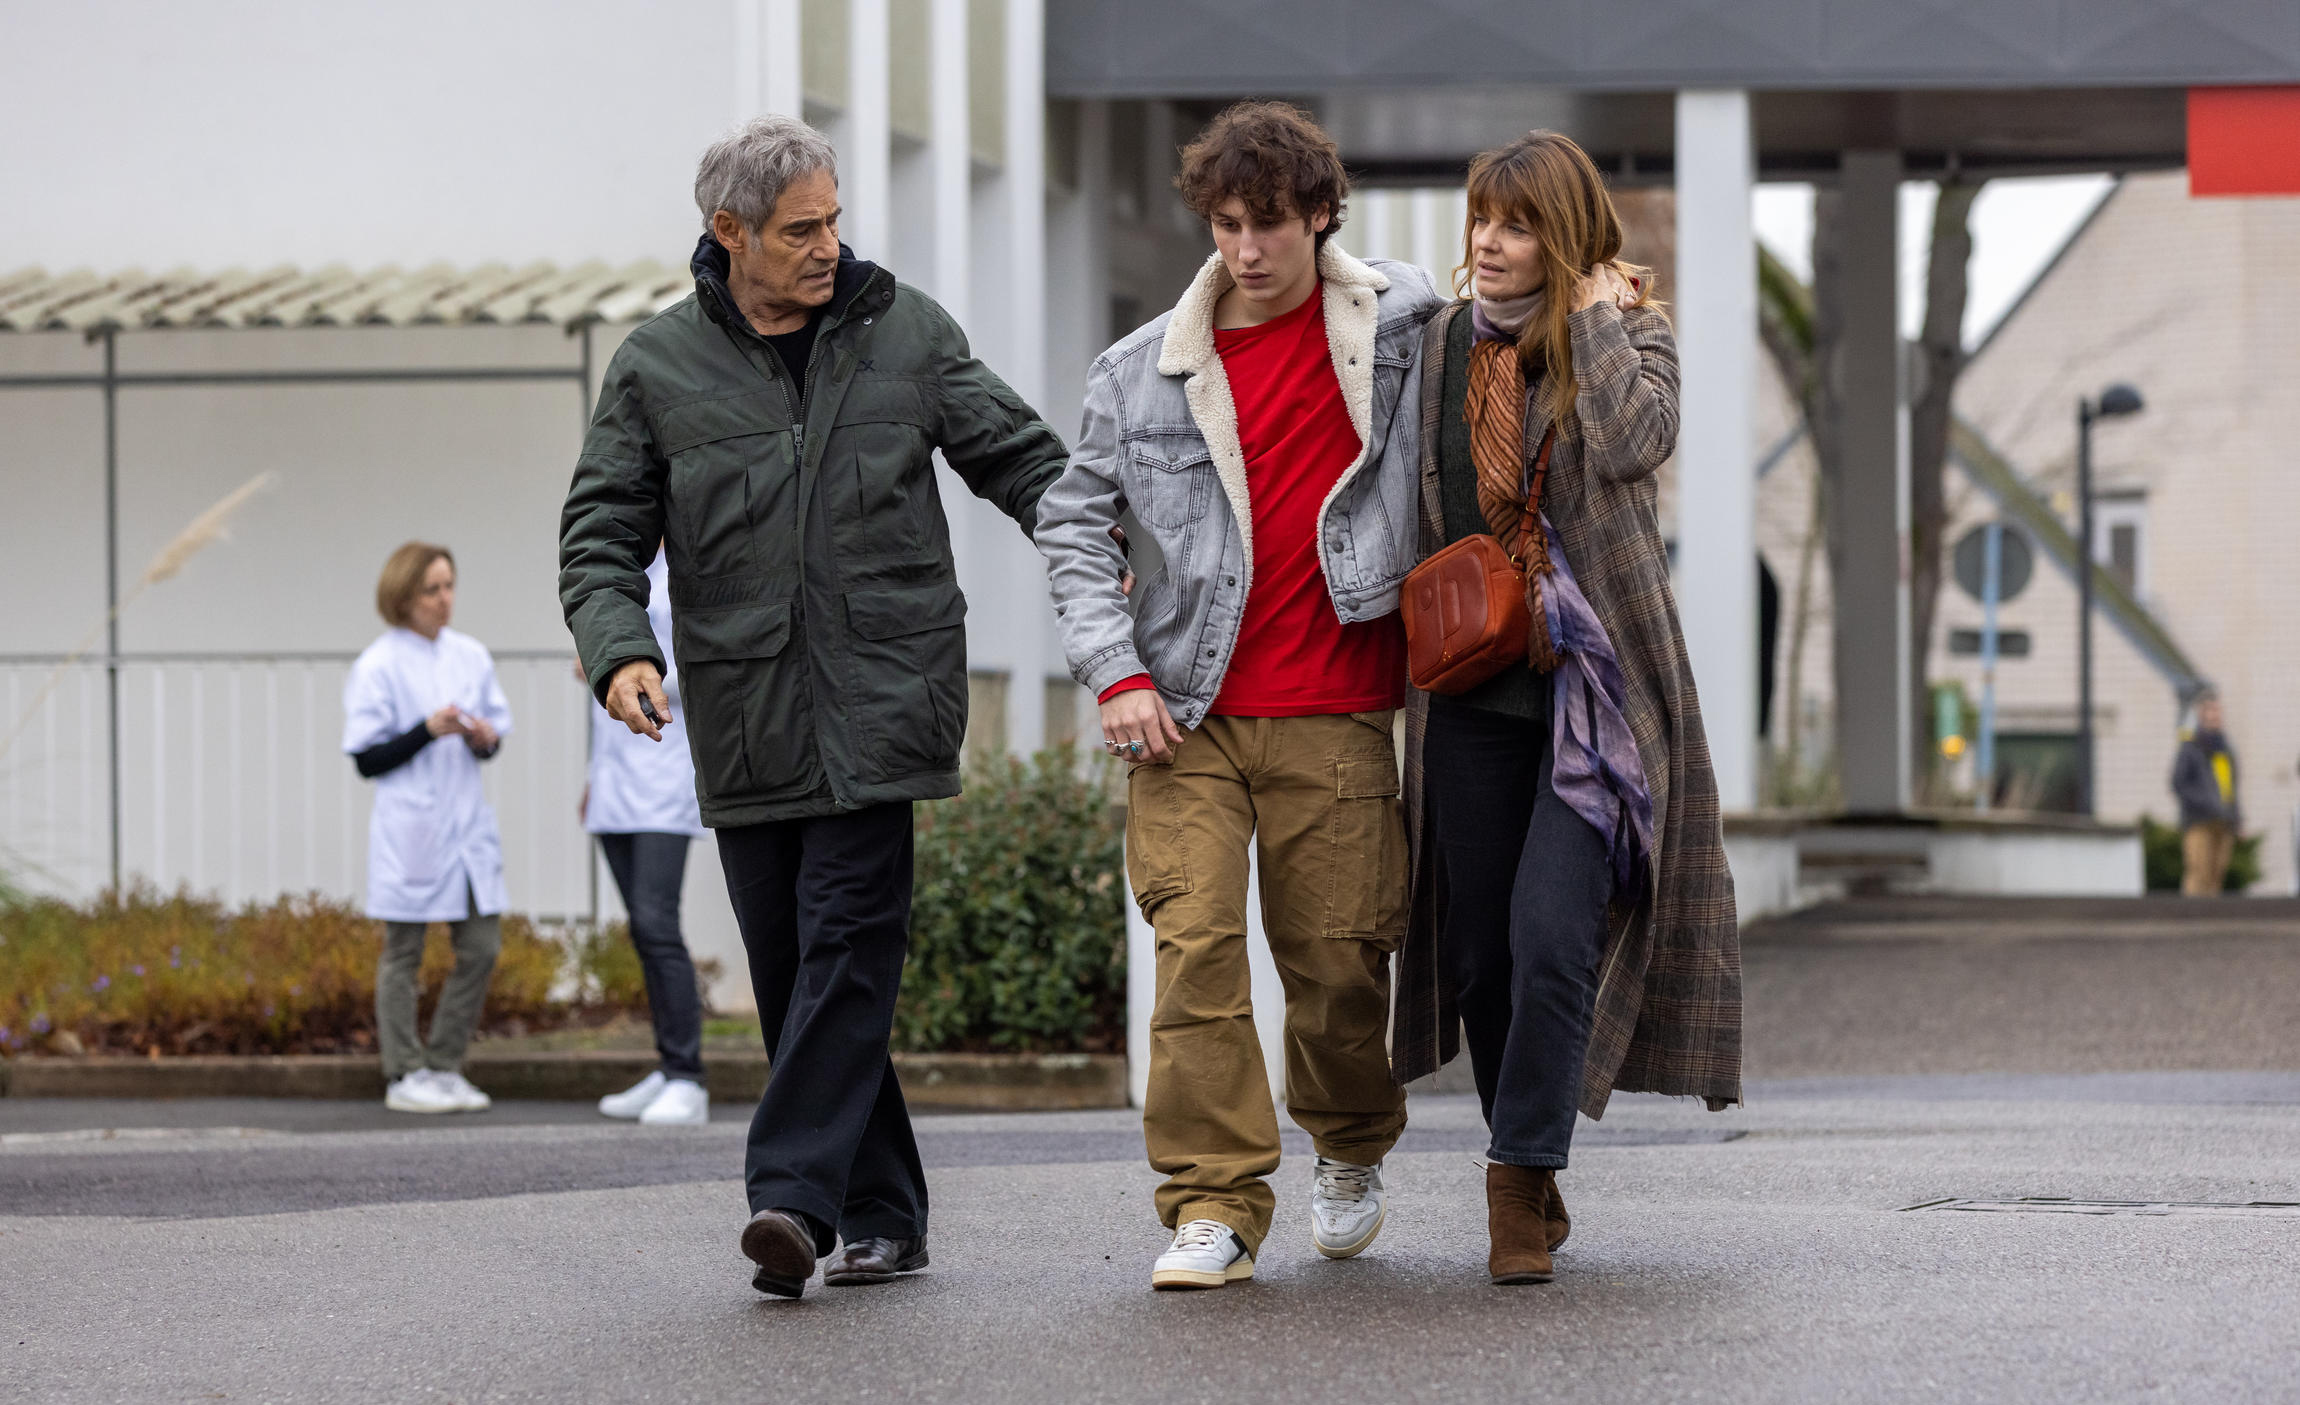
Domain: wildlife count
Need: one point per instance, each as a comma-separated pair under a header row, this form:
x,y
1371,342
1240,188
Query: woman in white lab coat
x,y
640,802
422,709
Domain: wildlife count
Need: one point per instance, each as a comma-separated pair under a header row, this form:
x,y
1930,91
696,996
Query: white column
x,y
1871,506
1716,315
1078,262
867,167
784,91
1025,354
950,156
747,57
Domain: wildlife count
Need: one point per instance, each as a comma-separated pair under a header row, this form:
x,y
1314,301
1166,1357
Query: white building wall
x,y
2196,303
556,130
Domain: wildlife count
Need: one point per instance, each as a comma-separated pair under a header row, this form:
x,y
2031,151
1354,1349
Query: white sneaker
x,y
417,1092
1205,1254
1347,1204
682,1103
633,1100
457,1087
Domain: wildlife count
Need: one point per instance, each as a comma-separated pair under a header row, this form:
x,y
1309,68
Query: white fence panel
x,y
232,778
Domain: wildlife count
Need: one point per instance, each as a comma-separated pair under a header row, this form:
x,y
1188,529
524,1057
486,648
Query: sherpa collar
x,y
1351,291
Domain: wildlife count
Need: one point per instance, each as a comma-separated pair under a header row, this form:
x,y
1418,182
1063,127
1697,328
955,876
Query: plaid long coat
x,y
1668,1015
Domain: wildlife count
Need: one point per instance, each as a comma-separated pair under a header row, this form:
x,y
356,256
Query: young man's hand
x,y
636,679
1137,727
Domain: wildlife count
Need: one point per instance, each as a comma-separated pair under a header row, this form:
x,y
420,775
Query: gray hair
x,y
746,171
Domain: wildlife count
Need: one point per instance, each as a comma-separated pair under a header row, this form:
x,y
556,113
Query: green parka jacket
x,y
816,615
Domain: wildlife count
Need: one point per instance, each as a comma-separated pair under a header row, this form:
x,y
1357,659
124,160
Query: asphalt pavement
x,y
1857,1231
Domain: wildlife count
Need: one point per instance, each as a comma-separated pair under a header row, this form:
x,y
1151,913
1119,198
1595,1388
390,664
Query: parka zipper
x,y
796,408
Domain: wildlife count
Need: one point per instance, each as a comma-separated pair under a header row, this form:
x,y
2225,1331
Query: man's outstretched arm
x,y
607,535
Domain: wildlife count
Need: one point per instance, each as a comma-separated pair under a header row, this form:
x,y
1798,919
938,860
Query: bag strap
x,y
1529,521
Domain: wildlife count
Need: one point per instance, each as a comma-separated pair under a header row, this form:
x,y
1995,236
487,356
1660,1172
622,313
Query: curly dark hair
x,y
1270,155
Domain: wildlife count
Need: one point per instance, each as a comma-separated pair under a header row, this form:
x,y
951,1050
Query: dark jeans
x,y
650,869
1523,889
824,905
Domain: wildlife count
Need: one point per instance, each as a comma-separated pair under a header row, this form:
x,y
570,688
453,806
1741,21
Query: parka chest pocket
x,y
732,482
1176,479
878,479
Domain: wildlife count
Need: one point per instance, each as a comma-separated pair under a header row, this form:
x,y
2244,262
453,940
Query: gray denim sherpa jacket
x,y
1161,437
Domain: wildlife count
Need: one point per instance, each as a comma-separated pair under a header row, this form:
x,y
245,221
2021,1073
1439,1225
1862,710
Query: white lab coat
x,y
639,786
432,831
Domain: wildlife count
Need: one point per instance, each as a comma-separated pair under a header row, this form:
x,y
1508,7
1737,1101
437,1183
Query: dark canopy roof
x,y
1999,86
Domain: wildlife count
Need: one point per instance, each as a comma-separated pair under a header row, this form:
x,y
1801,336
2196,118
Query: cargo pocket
x,y
910,675
1368,899
733,675
1157,857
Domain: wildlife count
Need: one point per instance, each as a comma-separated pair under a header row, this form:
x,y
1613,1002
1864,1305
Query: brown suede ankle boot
x,y
1517,1222
1560,1223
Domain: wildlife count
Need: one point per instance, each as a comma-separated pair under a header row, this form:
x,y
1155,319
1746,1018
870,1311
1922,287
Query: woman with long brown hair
x,y
1570,895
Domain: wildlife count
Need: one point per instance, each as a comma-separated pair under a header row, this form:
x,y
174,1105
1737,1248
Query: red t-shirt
x,y
1294,658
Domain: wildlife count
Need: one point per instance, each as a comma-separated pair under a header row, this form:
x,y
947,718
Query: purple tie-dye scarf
x,y
1594,763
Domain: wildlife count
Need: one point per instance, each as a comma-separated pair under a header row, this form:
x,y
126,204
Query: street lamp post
x,y
2117,400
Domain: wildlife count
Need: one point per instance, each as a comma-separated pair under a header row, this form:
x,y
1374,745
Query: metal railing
x,y
231,777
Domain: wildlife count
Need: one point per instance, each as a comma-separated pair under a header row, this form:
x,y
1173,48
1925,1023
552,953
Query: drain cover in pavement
x,y
2056,1205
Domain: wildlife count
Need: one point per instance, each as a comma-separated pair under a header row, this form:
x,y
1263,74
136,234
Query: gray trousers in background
x,y
476,940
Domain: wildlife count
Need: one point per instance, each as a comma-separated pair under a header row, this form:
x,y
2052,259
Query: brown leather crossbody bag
x,y
1473,609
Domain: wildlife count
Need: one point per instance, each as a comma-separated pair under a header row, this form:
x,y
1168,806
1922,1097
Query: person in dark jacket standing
x,y
2204,781
775,431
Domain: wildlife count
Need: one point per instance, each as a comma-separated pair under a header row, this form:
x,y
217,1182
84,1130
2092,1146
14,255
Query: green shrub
x,y
1018,919
607,967
2162,862
607,972
144,973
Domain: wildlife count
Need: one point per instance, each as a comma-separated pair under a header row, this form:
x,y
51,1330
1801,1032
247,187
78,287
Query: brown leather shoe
x,y
1517,1222
875,1261
780,1243
1560,1223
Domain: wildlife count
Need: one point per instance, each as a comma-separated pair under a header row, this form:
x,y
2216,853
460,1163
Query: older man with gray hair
x,y
775,432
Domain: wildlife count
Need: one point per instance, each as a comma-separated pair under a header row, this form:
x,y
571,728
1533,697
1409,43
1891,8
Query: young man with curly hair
x,y
1254,431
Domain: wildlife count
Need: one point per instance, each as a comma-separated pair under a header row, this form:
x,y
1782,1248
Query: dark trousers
x,y
649,870
824,905
1524,883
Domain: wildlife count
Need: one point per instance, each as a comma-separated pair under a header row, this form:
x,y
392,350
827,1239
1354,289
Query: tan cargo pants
x,y
2205,852
1319,795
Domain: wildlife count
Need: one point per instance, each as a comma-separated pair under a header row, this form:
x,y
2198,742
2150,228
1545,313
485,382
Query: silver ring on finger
x,y
1135,747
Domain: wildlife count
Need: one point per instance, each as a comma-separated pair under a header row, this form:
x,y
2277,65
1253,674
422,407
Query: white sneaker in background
x,y
1347,1204
682,1103
416,1092
458,1088
1205,1254
633,1100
